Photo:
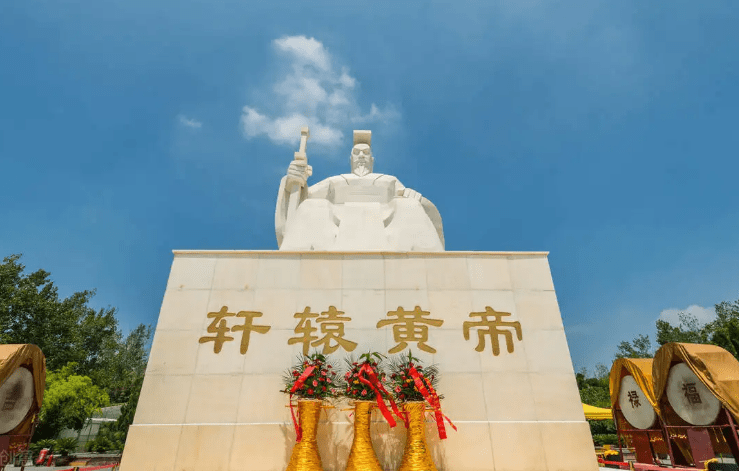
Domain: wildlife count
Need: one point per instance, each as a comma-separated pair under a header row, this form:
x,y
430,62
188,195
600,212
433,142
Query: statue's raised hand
x,y
298,173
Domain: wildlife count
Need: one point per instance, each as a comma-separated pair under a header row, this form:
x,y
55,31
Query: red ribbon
x,y
374,383
93,468
299,384
433,399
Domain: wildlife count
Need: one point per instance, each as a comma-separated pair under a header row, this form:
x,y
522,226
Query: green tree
x,y
129,409
688,330
68,330
640,347
107,439
124,365
595,391
113,436
69,401
31,312
724,331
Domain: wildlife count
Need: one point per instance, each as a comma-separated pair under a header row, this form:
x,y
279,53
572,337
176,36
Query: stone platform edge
x,y
352,253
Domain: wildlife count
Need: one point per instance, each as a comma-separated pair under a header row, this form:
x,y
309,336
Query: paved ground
x,y
38,468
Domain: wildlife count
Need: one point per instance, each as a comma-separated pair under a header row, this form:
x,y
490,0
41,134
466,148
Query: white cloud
x,y
188,122
313,93
305,51
282,130
376,114
703,314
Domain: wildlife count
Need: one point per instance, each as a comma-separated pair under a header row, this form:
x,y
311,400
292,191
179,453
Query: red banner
x,y
428,393
299,384
374,382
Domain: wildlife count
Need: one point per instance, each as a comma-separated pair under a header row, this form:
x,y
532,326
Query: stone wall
x,y
201,410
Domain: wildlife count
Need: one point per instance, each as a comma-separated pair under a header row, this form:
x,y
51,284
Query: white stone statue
x,y
360,211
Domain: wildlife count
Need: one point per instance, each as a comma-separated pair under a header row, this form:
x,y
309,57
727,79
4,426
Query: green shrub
x,y
605,439
65,446
108,439
37,446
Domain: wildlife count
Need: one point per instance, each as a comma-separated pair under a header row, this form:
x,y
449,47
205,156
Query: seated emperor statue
x,y
359,211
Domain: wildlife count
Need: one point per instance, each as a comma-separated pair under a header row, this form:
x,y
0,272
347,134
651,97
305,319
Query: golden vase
x,y
416,456
305,455
362,456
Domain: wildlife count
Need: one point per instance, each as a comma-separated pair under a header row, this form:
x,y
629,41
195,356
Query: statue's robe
x,y
353,213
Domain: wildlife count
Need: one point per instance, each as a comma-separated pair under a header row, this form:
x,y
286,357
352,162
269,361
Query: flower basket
x,y
305,456
415,386
362,456
416,455
312,380
364,385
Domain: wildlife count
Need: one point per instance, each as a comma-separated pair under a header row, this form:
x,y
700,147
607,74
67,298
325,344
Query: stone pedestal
x,y
205,410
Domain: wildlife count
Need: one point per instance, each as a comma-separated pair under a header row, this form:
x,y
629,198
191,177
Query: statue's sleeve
x,y
319,190
434,216
430,210
281,210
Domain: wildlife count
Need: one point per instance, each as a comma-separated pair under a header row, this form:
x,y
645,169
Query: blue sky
x,y
603,132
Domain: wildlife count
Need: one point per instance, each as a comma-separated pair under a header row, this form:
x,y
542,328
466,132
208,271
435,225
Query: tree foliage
x,y
65,446
112,436
89,361
107,440
32,312
124,365
688,330
69,401
595,391
70,331
724,331
640,347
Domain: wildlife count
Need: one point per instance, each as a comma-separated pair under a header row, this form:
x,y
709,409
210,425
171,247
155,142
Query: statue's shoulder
x,y
346,178
382,176
333,180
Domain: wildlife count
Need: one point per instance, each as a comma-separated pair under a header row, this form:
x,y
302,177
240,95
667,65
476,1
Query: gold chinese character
x,y
304,327
492,329
218,327
332,325
248,327
409,328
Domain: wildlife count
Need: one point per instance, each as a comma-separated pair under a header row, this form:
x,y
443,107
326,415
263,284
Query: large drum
x,y
690,398
16,398
634,404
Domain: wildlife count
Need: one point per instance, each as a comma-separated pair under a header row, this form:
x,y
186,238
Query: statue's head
x,y
361,159
361,156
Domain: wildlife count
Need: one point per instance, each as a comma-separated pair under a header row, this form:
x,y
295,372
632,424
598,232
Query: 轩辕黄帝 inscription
x,y
408,326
